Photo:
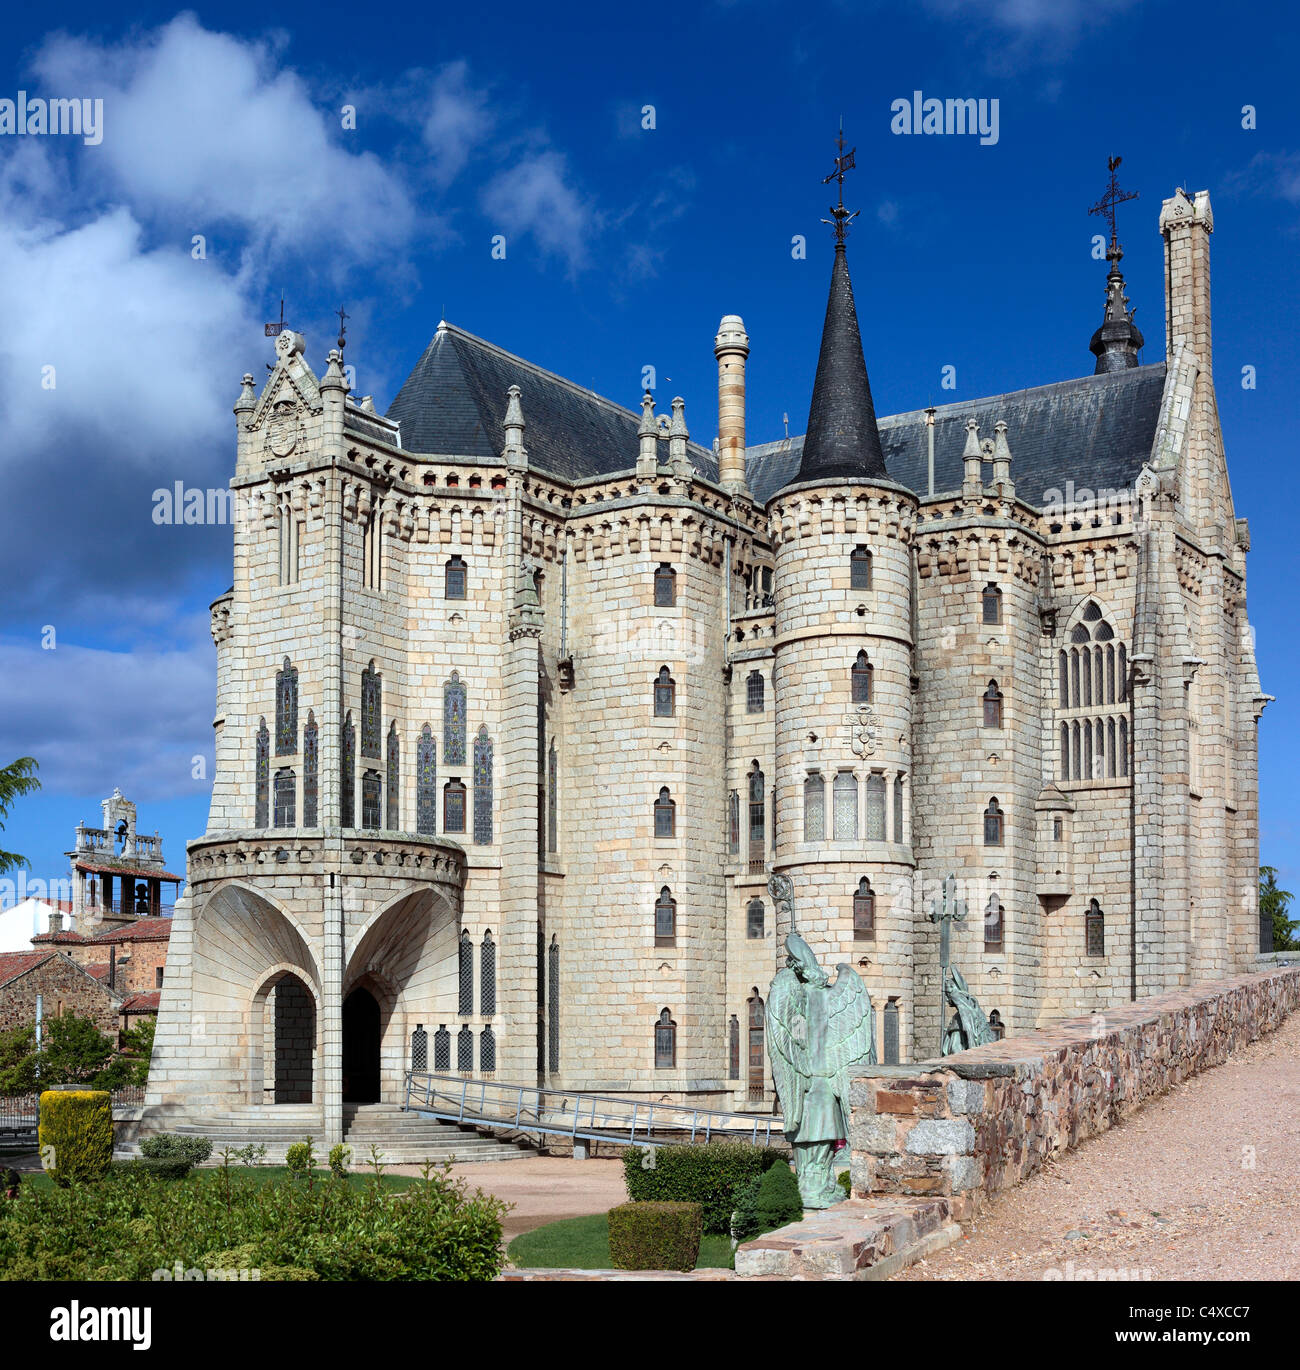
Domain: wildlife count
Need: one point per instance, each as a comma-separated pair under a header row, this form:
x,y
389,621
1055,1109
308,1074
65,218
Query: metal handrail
x,y
625,1120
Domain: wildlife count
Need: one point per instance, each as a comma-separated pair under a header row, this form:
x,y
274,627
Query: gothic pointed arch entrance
x,y
361,1038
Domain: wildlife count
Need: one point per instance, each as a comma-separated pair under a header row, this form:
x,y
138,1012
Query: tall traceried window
x,y
757,1062
453,806
665,586
993,706
310,771
874,829
371,799
487,1051
553,799
665,814
993,817
757,817
665,1042
262,777
372,551
814,808
465,975
993,924
487,976
394,816
553,1004
899,781
442,1049
860,569
371,711
465,1050
845,794
864,912
665,694
890,1053
754,692
665,919
860,679
286,793
755,919
426,780
733,1048
348,774
991,604
1092,688
454,727
482,787
290,534
1094,930
286,710
455,579
733,822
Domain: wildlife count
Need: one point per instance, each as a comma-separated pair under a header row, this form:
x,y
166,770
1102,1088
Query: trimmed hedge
x,y
162,1167
707,1173
766,1203
176,1146
76,1125
655,1236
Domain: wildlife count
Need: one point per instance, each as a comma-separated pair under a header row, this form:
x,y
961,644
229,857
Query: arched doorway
x,y
295,1040
361,1047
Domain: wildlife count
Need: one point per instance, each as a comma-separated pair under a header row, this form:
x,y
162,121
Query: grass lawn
x,y
268,1174
583,1244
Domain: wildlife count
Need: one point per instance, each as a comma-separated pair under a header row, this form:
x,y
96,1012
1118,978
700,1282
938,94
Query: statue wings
x,y
851,1030
787,1045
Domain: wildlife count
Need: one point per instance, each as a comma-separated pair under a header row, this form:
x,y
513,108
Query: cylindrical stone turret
x,y
731,347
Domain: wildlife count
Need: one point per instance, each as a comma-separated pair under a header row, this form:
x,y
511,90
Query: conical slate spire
x,y
842,441
1117,342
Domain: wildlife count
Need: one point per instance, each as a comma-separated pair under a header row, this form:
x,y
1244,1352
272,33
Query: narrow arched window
x,y
442,1049
465,1050
890,1055
993,824
864,912
1094,930
553,800
419,1049
874,826
465,976
665,694
733,1048
394,815
860,569
665,1042
1065,751
845,792
348,776
993,706
814,808
482,787
1121,755
757,817
993,924
755,919
455,583
487,976
1110,748
453,806
426,776
310,771
665,815
997,1026
286,786
553,1004
371,710
899,781
665,919
754,692
757,1063
860,679
1063,694
487,1051
454,727
991,602
286,710
665,586
371,797
733,822
262,777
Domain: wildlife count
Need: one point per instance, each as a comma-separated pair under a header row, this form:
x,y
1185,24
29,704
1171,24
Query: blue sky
x,y
624,246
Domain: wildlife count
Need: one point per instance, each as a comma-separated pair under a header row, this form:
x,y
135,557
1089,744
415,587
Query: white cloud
x,y
535,197
460,119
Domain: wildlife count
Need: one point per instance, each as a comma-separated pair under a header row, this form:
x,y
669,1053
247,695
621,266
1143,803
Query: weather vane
x,y
273,330
843,162
1113,196
343,328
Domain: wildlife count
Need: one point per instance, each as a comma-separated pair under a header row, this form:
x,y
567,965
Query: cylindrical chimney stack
x,y
731,347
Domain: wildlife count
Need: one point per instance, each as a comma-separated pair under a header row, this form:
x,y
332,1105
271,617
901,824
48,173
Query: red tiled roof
x,y
140,872
99,970
16,963
67,935
142,1003
145,930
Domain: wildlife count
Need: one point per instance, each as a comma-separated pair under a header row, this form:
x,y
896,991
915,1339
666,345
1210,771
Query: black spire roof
x,y
842,441
1117,342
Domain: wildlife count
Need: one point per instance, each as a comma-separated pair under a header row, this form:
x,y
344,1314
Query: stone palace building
x,y
521,697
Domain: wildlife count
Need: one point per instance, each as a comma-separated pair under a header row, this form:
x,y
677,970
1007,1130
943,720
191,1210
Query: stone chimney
x,y
647,462
1187,225
731,347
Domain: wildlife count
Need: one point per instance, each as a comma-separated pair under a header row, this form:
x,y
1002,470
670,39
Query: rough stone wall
x,y
986,1119
64,988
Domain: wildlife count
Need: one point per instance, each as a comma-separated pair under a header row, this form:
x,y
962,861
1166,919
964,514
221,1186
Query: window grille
x,y
487,976
465,1004
286,787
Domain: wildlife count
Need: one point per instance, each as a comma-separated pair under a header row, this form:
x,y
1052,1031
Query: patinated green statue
x,y
818,1036
968,1027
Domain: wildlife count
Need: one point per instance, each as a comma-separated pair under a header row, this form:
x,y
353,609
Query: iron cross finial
x,y
1113,196
343,328
843,162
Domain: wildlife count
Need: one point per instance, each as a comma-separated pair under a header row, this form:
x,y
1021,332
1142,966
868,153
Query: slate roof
x,y
1096,431
453,403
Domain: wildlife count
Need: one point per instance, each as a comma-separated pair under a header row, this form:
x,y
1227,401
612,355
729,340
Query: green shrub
x,y
163,1167
176,1146
300,1159
707,1173
778,1200
240,1262
340,1155
846,1183
655,1236
75,1134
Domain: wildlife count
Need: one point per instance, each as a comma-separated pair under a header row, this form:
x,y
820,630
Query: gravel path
x,y
1170,1194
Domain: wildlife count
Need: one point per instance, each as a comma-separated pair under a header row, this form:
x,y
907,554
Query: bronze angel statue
x,y
818,1036
968,1026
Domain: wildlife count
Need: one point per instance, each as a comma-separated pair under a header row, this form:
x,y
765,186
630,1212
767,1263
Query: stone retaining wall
x,y
984,1120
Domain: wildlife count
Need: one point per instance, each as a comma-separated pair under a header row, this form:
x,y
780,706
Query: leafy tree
x,y
15,779
137,1048
1275,903
18,1060
75,1052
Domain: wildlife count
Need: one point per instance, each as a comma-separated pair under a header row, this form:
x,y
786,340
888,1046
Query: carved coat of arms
x,y
283,431
864,729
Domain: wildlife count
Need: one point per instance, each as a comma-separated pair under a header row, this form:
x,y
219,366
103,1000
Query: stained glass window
x,y
757,817
814,808
286,710
465,1050
860,569
757,1064
733,823
553,1004
394,823
875,815
426,776
310,770
891,1033
286,795
553,800
466,976
665,1042
262,783
442,1049
453,721
453,806
371,796
482,787
864,912
487,976
665,694
846,806
899,780
860,679
733,1048
371,710
347,810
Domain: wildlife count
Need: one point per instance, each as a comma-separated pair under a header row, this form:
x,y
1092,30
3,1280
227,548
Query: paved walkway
x,y
1171,1191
